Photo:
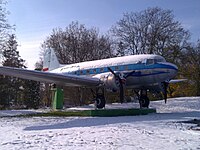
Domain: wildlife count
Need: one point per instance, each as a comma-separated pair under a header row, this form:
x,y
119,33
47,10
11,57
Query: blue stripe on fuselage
x,y
140,74
128,67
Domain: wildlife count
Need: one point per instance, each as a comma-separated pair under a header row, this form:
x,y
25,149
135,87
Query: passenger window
x,y
116,68
88,71
102,70
126,67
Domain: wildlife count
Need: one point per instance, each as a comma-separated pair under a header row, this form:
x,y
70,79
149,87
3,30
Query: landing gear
x,y
143,98
99,98
144,102
100,101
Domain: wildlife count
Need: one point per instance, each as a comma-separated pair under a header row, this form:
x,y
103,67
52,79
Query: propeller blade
x,y
121,93
165,97
121,86
112,71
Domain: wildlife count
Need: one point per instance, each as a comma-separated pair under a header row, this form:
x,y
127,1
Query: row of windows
x,y
101,70
116,68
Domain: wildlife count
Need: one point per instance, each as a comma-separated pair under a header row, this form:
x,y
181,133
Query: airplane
x,y
143,73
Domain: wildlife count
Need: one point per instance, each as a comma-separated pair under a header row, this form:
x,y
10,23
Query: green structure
x,y
57,98
98,113
119,112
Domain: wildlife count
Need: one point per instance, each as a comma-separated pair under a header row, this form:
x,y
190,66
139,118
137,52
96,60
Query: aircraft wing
x,y
48,77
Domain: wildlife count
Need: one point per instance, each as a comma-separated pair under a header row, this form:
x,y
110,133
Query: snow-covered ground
x,y
154,131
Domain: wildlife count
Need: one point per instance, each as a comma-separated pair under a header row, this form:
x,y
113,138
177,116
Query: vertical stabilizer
x,y
50,60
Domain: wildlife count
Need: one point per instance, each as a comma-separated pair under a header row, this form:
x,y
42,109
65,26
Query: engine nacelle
x,y
110,82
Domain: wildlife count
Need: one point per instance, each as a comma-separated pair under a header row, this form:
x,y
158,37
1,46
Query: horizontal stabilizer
x,y
177,80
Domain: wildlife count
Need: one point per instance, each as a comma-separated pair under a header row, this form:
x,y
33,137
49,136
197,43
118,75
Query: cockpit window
x,y
154,61
159,60
150,61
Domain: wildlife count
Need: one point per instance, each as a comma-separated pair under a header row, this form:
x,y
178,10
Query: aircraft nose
x,y
174,69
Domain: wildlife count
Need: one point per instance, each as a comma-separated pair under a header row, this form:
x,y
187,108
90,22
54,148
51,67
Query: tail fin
x,y
50,60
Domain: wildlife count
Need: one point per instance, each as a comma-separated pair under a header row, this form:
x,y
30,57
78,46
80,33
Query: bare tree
x,y
77,43
150,31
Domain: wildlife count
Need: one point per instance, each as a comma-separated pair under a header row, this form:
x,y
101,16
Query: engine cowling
x,y
111,82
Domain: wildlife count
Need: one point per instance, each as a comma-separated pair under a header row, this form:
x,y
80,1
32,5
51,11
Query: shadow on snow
x,y
106,121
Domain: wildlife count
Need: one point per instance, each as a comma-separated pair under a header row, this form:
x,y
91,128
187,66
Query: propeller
x,y
122,80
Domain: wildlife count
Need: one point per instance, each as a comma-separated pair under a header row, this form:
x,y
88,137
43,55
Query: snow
x,y
18,112
162,130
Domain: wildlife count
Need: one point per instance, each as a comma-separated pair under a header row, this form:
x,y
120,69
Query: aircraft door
x,y
149,71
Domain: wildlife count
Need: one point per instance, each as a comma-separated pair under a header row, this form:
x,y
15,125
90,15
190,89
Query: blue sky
x,y
35,19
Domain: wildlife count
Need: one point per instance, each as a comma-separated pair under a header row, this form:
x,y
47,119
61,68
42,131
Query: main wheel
x,y
100,101
144,102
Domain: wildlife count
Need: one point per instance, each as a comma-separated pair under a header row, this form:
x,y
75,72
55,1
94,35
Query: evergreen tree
x,y
32,94
11,56
4,94
10,87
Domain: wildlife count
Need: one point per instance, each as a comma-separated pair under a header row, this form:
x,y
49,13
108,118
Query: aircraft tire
x,y
100,101
144,102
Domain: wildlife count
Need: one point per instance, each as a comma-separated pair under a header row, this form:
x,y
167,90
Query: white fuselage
x,y
149,70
